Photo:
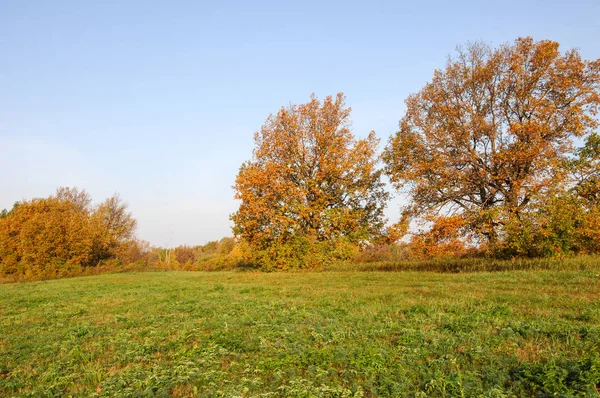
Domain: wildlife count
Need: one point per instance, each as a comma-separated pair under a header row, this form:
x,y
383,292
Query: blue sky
x,y
158,101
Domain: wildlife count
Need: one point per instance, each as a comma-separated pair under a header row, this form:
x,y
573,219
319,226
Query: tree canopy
x,y
51,235
492,132
309,176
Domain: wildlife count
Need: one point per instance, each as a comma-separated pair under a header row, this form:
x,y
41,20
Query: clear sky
x,y
158,100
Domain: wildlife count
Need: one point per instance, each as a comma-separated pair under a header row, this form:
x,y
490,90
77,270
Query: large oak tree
x,y
309,176
489,135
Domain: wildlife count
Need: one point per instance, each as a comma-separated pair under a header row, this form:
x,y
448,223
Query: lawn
x,y
517,333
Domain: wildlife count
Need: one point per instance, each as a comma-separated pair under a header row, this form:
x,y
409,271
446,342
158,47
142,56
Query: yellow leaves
x,y
309,176
43,235
45,230
493,128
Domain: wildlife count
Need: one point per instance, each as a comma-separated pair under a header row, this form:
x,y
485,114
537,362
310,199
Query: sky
x,y
158,101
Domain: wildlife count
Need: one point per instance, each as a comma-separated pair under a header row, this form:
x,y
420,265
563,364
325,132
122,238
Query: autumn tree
x,y
310,177
80,199
489,135
568,222
114,226
58,235
43,236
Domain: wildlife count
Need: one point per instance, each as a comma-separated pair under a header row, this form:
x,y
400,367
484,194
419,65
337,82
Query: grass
x,y
338,334
476,264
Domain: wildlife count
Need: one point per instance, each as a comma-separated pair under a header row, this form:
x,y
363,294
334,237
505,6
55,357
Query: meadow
x,y
336,334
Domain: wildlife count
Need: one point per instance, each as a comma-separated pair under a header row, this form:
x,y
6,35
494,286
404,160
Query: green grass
x,y
476,264
517,333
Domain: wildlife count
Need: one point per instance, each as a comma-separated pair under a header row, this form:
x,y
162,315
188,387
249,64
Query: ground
x,y
517,333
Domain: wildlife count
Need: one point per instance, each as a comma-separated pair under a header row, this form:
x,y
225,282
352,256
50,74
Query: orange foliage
x,y
445,238
58,235
44,233
488,135
309,177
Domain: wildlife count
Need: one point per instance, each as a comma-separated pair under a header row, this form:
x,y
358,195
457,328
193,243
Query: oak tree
x,y
489,134
309,176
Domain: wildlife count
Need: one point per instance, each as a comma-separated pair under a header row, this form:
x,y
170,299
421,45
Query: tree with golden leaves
x,y
58,235
310,177
46,235
114,226
490,134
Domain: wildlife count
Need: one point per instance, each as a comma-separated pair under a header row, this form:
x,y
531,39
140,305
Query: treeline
x,y
67,235
485,155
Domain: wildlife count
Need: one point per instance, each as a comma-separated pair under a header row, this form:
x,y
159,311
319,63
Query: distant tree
x,y
226,245
78,198
489,135
184,254
137,251
203,252
310,177
211,247
116,225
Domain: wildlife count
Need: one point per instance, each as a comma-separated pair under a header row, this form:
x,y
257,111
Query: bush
x,y
302,253
565,225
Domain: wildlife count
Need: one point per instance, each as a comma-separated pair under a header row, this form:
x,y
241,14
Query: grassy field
x,y
517,333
